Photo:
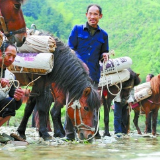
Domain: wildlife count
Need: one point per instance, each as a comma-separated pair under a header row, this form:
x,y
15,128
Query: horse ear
x,y
87,91
138,74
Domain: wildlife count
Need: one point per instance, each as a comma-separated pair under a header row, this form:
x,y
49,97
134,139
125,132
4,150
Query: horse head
x,y
82,114
12,22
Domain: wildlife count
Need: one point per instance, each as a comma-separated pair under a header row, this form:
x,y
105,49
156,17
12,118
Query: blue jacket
x,y
89,48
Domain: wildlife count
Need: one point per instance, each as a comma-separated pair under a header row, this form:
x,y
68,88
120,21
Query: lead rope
x,y
119,88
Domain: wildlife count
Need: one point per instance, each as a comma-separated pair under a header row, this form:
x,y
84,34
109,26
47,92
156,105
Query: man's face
x,y
148,78
93,16
10,55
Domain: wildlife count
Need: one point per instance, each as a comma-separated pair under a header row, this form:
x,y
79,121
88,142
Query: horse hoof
x,y
60,135
22,135
98,136
47,138
107,134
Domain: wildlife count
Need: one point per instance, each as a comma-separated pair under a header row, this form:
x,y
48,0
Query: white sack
x,y
117,64
114,78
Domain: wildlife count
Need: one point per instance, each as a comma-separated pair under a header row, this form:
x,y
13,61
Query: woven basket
x,y
38,44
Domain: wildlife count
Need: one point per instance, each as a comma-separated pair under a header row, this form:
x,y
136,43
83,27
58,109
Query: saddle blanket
x,y
114,78
114,65
142,91
38,44
37,63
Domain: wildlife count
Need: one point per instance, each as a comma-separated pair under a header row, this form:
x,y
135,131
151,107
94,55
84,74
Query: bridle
x,y
76,105
9,34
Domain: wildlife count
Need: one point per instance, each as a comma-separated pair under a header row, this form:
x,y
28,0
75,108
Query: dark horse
x,y
126,88
12,22
150,104
68,80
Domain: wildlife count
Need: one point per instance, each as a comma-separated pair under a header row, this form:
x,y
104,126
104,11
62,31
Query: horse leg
x,y
27,112
43,108
106,104
60,123
135,120
147,110
56,118
149,123
154,120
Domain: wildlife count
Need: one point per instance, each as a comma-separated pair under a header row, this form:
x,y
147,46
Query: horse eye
x,y
86,108
17,6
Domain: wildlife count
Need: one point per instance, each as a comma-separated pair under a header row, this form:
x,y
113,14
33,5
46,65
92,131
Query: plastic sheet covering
x,y
37,63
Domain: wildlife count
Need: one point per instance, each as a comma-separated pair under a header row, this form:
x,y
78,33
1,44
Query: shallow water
x,y
133,147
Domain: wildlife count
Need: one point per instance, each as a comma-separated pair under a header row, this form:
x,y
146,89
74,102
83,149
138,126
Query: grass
x,y
15,121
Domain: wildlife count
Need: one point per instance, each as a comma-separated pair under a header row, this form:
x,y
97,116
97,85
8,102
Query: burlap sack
x,y
117,64
143,94
114,78
38,44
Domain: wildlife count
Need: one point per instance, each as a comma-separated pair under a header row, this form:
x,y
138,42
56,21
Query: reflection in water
x,y
130,148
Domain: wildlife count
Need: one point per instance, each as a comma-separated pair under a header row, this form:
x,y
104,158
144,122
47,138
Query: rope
x,y
12,82
119,88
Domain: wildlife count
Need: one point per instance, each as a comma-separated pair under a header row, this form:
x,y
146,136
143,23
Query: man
x,y
90,44
10,96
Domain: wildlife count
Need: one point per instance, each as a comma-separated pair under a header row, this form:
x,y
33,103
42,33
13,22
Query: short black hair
x,y
151,76
100,9
5,45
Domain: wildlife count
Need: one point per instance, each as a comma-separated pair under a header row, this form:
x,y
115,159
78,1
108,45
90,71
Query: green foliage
x,y
132,25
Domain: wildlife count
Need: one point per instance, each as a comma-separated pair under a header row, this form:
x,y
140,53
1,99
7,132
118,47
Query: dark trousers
x,y
120,113
9,110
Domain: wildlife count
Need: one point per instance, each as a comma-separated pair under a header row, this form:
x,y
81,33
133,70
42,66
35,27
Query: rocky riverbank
x,y
33,138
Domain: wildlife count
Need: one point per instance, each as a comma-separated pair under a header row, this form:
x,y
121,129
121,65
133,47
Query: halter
x,y
76,105
9,34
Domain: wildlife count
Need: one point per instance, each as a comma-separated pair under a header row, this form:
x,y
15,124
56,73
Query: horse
x,y
12,22
67,80
149,104
111,94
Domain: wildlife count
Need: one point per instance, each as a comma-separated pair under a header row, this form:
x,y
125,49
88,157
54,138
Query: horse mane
x,y
155,84
69,74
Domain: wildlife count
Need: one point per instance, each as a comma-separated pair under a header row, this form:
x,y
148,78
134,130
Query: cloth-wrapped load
x,y
114,78
38,44
115,65
143,94
142,86
37,63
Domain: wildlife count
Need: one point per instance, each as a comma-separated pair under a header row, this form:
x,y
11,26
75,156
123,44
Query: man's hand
x,y
105,57
4,82
18,94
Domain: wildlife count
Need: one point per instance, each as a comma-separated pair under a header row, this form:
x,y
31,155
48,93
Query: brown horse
x,y
12,22
70,81
150,104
